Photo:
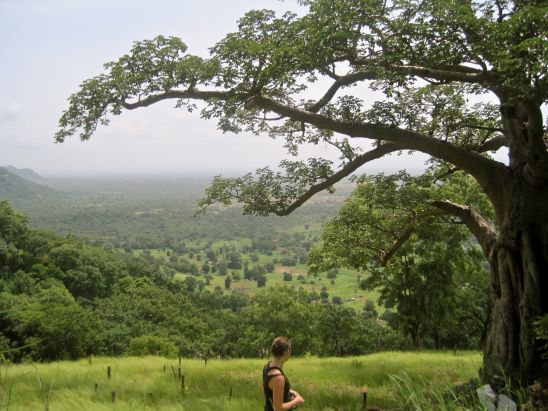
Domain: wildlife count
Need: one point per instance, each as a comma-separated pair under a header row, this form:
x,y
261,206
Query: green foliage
x,y
541,327
420,261
277,311
69,299
152,345
51,323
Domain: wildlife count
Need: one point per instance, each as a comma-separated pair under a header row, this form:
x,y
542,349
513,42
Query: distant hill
x,y
27,174
25,194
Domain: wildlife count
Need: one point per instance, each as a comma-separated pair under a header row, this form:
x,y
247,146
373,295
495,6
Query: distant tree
x,y
269,267
278,310
234,260
261,280
324,295
211,255
205,268
265,244
287,276
369,309
302,255
335,326
257,271
288,261
221,267
228,281
190,284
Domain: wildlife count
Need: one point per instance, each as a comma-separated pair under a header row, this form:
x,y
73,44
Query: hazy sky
x,y
48,47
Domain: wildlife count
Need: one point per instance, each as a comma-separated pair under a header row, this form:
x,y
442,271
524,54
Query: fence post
x,y
230,393
364,392
113,395
183,383
96,387
109,372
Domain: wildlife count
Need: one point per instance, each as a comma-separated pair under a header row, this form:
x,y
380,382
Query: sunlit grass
x,y
142,383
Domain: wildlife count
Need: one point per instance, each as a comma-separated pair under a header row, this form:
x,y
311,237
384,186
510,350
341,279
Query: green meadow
x,y
153,383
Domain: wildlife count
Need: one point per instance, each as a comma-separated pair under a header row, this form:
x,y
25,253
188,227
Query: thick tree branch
x,y
457,73
178,94
483,169
402,238
537,153
348,169
494,144
482,229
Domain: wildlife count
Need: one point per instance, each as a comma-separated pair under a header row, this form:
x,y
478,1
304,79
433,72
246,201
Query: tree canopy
x,y
429,60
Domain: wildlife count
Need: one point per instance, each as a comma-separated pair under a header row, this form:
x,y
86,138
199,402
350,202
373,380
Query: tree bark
x,y
519,265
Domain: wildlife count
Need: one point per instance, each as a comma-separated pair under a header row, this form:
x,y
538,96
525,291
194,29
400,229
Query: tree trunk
x,y
519,263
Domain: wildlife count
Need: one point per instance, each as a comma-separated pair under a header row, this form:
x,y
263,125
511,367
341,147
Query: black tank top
x,y
268,392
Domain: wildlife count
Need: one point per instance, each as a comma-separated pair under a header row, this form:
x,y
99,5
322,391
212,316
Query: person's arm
x,y
277,383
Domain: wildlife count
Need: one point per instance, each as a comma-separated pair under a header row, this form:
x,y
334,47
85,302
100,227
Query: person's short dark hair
x,y
280,346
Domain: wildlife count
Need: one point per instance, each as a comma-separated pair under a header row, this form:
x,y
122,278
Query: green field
x,y
150,383
344,286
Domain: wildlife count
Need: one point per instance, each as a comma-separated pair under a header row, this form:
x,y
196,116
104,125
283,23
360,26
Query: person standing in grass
x,y
277,391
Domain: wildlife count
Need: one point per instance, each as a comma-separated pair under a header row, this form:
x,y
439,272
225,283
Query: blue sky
x,y
48,47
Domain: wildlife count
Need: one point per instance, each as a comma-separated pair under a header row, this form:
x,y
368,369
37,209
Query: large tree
x,y
427,60
422,261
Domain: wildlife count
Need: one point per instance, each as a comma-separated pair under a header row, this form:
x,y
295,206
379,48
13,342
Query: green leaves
x,y
268,191
386,212
419,259
151,68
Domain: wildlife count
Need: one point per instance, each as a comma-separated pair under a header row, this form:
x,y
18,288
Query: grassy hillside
x,y
25,194
150,383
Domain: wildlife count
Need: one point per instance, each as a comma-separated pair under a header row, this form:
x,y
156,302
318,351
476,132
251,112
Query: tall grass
x,y
142,383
